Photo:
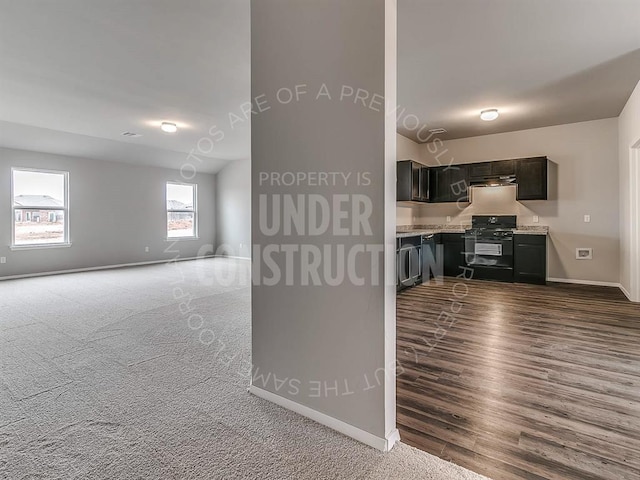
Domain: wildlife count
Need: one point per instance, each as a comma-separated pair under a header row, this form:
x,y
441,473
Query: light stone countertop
x,y
403,231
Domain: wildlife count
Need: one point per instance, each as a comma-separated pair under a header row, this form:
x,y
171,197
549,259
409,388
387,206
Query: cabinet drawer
x,y
526,239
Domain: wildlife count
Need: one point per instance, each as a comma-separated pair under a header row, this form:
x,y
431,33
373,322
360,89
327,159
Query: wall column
x,y
323,211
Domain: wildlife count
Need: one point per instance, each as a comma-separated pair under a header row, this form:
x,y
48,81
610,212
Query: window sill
x,y
180,239
39,246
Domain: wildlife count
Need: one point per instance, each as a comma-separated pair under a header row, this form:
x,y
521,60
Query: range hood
x,y
493,181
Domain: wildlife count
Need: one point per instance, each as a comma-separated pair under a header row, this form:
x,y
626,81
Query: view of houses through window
x,y
40,210
181,210
39,207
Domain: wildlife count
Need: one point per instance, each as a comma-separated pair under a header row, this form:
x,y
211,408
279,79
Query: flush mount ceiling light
x,y
168,127
489,115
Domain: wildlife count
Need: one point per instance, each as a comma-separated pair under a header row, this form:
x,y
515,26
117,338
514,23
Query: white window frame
x,y
194,211
65,209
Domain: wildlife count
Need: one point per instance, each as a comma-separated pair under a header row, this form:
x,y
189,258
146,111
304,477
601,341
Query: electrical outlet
x,y
3,259
587,219
146,249
536,219
584,253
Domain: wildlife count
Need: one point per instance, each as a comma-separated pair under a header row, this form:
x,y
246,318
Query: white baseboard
x,y
585,282
102,267
595,283
626,293
233,257
379,443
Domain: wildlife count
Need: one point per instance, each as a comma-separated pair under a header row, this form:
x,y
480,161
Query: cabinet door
x,y
432,258
403,181
436,183
480,169
530,259
453,245
531,177
449,184
415,181
458,179
424,183
503,167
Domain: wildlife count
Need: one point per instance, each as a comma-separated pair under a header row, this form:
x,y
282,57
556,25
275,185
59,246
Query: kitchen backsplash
x,y
485,201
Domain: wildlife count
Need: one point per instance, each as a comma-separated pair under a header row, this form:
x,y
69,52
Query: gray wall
x,y
326,334
233,208
116,210
584,180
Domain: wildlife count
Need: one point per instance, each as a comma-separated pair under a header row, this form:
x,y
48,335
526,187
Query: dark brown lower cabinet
x,y
530,259
453,246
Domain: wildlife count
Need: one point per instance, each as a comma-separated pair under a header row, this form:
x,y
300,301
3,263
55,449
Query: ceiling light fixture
x,y
168,127
489,115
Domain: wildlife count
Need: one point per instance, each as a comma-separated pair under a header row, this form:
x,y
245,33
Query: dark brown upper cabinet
x,y
503,167
448,184
490,169
531,177
412,182
480,169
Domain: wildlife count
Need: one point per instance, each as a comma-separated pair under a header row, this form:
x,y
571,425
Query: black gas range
x,y
488,246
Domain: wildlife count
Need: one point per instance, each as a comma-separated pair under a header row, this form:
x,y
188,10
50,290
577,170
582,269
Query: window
x,y
182,214
40,207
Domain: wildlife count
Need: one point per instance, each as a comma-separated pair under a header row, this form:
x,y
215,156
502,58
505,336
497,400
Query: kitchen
x,y
515,333
508,292
491,247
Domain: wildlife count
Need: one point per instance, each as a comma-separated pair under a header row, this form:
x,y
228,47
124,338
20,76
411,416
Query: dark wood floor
x,y
523,381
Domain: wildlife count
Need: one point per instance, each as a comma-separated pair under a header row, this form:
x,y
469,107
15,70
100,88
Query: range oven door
x,y
486,250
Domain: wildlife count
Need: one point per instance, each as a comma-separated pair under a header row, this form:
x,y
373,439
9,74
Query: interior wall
x,y
326,336
233,209
629,136
584,179
115,211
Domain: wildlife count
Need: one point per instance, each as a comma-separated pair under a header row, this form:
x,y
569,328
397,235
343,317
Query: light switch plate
x,y
587,219
536,219
3,259
448,218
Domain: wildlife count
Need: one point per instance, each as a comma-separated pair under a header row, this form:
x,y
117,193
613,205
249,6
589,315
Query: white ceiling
x,y
98,68
75,74
541,62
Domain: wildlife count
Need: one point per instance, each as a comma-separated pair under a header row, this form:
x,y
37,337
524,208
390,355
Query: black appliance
x,y
408,261
488,247
419,258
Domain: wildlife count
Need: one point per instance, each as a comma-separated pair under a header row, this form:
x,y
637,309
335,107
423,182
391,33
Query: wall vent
x,y
584,253
131,134
437,130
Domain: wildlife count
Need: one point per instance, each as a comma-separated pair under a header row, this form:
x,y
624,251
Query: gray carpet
x,y
104,375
